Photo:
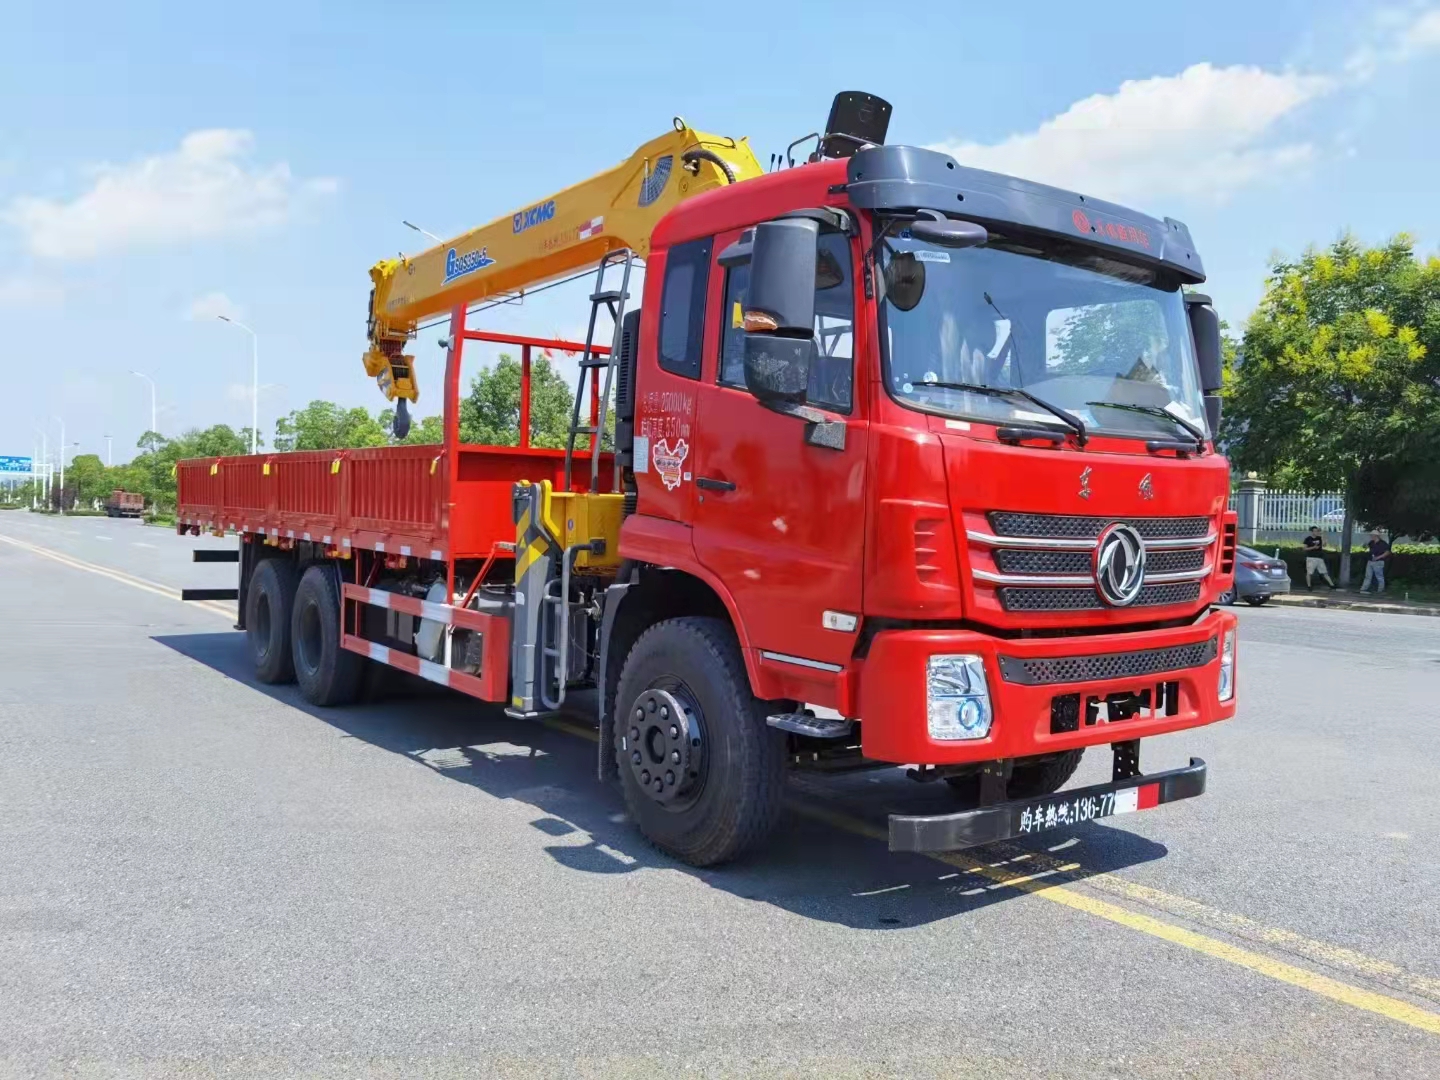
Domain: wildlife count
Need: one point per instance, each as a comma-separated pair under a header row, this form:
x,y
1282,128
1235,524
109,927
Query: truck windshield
x,y
1104,340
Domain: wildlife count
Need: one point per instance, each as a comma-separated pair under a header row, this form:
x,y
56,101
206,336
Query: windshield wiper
x,y
1157,410
1071,421
1070,418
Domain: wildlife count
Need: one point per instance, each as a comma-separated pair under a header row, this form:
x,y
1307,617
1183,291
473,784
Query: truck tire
x,y
708,786
1045,776
1030,777
268,603
327,673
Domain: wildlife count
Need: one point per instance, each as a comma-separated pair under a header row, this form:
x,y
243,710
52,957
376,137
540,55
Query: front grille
x,y
1174,562
1044,562
1076,527
1126,665
1084,598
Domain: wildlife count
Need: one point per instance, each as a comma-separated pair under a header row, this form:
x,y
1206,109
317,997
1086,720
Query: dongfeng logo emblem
x,y
1119,565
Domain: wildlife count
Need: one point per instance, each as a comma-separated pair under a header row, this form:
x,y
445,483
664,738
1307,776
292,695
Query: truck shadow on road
x,y
812,866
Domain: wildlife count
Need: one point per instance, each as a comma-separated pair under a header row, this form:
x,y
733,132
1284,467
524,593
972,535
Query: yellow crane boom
x,y
614,210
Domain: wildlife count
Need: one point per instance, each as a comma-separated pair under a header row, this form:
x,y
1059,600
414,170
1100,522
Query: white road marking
x,y
141,543
114,575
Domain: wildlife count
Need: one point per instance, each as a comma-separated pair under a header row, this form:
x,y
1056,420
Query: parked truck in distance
x,y
913,465
123,503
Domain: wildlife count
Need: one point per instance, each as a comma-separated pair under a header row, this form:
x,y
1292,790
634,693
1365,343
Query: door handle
x,y
714,485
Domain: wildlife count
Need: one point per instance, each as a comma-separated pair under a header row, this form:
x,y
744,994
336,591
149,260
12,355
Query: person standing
x,y
1315,558
1375,567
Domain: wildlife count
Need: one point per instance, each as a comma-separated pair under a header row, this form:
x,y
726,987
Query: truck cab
x,y
983,521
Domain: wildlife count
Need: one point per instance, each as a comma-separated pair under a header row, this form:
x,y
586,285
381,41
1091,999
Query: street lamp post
x,y
62,462
254,381
45,461
109,451
153,421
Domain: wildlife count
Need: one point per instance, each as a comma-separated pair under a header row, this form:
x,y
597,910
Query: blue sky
x,y
163,163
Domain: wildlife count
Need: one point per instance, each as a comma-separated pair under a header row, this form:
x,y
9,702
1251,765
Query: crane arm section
x,y
614,210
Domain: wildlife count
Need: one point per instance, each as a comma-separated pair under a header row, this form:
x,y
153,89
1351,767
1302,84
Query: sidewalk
x,y
1351,600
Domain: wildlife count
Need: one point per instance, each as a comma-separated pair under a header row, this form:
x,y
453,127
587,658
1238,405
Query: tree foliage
x,y
323,425
490,413
1338,384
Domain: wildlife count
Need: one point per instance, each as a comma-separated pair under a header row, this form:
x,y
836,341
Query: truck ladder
x,y
614,301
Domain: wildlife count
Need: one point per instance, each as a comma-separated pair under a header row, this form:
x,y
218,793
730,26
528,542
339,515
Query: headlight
x,y
957,699
1227,666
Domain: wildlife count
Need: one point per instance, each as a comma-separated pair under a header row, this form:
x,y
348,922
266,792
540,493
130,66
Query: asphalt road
x,y
202,876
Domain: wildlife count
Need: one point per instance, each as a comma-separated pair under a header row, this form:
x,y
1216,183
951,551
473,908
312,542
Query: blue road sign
x,y
17,465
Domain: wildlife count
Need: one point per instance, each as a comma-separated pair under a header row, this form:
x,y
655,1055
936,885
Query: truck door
x,y
778,516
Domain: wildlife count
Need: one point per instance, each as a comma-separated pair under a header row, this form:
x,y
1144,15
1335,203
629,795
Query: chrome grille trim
x,y
1067,580
1051,544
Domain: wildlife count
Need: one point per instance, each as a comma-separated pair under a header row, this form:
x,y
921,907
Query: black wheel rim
x,y
311,639
662,743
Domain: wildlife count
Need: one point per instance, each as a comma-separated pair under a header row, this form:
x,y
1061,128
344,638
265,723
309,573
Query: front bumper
x,y
892,702
1026,817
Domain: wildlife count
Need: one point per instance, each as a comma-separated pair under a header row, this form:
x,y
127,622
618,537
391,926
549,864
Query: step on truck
x,y
913,464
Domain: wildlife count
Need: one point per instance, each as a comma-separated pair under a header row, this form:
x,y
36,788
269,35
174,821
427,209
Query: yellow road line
x,y
114,575
1322,952
1323,985
1035,885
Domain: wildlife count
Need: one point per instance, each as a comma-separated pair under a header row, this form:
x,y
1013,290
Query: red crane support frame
x,y
454,355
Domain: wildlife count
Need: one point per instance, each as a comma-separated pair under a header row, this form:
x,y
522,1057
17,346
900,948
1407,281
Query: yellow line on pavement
x,y
1323,985
1335,956
114,575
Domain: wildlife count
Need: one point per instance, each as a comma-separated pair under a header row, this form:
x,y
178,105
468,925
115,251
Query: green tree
x,y
490,413
323,425
1336,380
85,480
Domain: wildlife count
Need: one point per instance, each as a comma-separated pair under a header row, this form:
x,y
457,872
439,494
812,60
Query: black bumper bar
x,y
1026,817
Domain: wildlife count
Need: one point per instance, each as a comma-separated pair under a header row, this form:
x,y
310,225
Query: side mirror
x,y
1205,330
1212,414
781,294
780,310
949,233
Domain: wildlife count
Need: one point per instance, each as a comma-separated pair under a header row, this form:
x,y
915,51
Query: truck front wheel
x,y
268,603
327,673
703,774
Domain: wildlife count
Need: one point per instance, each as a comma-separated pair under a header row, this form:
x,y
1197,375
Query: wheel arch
x,y
643,595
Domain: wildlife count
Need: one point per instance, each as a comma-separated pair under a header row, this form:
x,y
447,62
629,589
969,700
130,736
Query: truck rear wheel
x,y
327,673
703,774
268,603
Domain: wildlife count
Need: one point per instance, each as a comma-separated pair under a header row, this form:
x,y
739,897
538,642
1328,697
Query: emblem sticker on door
x,y
669,461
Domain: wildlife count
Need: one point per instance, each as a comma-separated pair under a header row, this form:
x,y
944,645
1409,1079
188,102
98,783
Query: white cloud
x,y
213,305
1423,34
27,292
1395,36
206,188
1202,133
238,392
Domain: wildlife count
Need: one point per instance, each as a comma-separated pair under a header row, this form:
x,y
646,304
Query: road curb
x,y
1351,605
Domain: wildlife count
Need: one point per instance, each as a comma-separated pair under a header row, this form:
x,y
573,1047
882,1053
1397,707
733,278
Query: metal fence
x,y
1287,515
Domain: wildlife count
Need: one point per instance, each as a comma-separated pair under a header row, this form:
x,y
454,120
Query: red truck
x,y
912,465
124,504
